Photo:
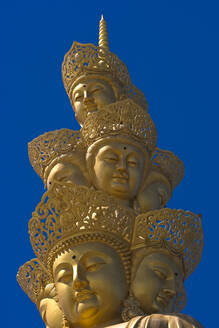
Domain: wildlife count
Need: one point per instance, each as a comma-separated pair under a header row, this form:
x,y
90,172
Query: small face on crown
x,y
90,283
156,283
119,168
89,95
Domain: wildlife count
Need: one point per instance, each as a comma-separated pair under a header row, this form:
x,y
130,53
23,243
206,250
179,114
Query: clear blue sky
x,y
171,50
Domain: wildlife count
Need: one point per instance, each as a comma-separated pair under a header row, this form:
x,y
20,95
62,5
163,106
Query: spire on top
x,y
103,35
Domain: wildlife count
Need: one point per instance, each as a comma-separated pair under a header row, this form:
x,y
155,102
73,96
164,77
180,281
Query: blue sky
x,y
171,50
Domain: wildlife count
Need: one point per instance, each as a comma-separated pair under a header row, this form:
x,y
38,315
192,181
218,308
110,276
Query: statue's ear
x,y
51,313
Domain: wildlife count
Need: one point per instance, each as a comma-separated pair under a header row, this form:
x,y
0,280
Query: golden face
x,y
67,172
90,95
118,169
90,283
154,196
155,283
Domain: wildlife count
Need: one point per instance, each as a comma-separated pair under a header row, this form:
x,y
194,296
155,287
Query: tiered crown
x,y
79,214
69,215
123,118
168,164
48,146
83,60
180,232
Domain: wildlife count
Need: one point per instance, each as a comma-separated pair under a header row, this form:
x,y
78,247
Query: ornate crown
x,y
178,231
45,148
87,59
167,163
124,118
78,214
32,278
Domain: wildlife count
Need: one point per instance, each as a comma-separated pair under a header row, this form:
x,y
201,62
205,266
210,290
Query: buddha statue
x,y
107,253
94,77
86,275
120,139
163,256
120,159
109,153
82,271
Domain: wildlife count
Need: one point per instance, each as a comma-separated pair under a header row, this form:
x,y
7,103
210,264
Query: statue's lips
x,y
163,300
120,179
83,295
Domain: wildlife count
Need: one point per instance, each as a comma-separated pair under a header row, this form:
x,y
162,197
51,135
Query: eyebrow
x,y
94,254
64,266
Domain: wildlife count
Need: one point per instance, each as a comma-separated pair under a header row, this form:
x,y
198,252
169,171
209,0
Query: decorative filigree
x,y
33,277
167,163
83,60
87,58
45,148
178,231
70,211
124,118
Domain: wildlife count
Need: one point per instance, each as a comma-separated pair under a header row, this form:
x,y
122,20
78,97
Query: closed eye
x,y
110,159
95,90
94,267
160,274
132,163
65,279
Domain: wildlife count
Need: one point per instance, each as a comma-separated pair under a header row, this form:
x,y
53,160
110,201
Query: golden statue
x,y
107,251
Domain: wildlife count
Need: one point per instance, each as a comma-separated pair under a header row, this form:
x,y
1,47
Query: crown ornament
x,y
168,164
180,232
76,213
84,60
123,118
33,278
50,145
68,215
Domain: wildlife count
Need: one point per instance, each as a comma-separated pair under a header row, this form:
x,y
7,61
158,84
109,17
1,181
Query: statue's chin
x,y
87,309
88,313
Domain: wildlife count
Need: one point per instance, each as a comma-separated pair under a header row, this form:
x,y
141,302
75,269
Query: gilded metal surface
x,y
106,248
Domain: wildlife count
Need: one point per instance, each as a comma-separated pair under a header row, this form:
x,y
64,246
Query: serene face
x,y
154,196
90,95
119,169
155,283
67,172
90,283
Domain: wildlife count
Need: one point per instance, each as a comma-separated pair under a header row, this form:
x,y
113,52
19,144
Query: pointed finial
x,y
103,36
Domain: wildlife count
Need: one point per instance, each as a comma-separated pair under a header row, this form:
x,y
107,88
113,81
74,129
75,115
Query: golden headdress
x,y
180,232
51,145
67,212
68,215
83,60
123,118
168,164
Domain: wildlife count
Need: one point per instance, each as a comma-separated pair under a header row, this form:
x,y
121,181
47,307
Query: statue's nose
x,y
79,279
170,288
87,97
122,165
